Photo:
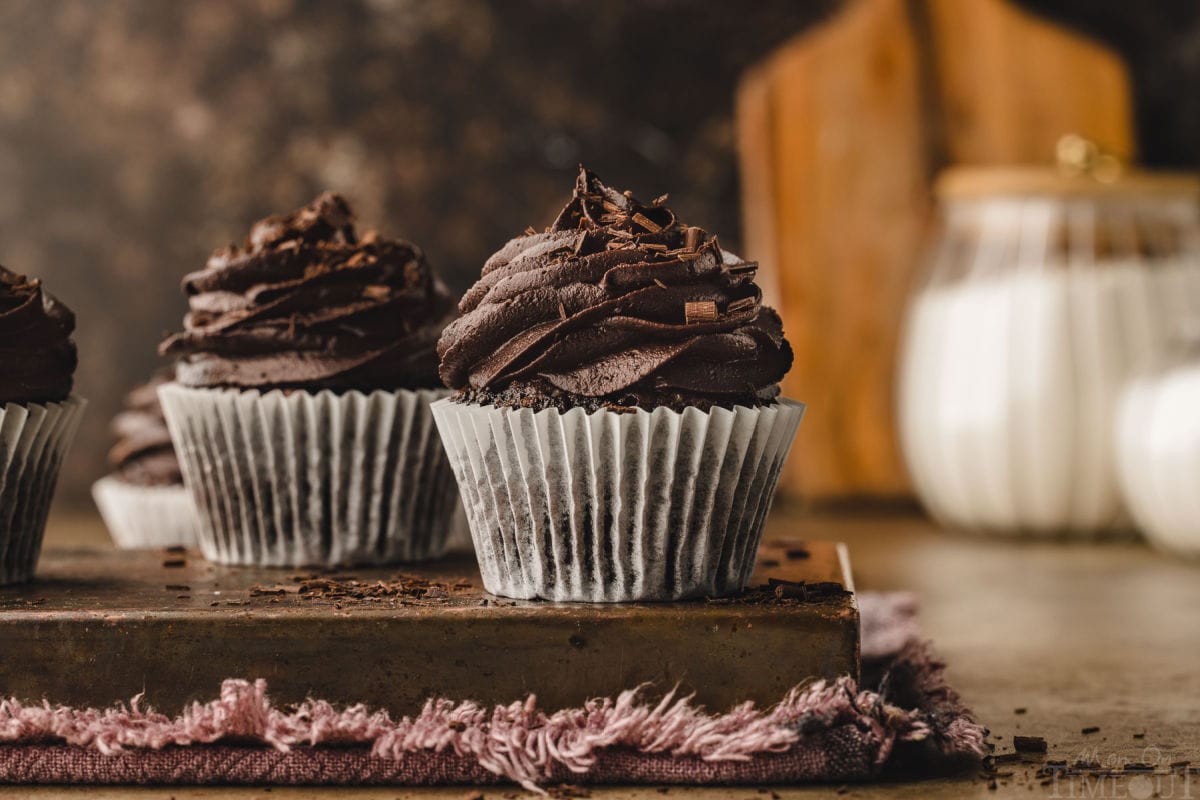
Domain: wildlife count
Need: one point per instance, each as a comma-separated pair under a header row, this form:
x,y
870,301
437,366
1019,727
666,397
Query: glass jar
x,y
1044,294
1158,449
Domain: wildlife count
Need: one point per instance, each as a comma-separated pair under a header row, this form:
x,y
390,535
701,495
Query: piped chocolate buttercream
x,y
616,304
37,354
143,453
307,303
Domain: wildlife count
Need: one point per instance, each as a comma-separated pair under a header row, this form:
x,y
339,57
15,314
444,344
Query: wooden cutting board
x,y
840,133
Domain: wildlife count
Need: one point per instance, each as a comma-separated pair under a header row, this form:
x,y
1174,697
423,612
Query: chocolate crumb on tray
x,y
402,588
1029,744
777,591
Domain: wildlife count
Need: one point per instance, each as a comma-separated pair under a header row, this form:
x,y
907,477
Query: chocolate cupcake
x,y
300,410
617,432
38,415
143,500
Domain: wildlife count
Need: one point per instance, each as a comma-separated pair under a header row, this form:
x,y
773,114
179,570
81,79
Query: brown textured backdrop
x,y
138,135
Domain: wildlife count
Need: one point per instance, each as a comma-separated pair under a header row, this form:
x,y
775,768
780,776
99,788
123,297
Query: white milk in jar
x,y
1043,299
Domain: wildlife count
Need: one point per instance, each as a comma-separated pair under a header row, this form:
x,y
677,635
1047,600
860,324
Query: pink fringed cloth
x,y
823,731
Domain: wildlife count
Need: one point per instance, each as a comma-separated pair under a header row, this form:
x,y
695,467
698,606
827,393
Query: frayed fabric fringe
x,y
826,730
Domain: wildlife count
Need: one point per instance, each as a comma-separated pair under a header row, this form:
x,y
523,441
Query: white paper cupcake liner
x,y
312,479
34,438
616,507
146,516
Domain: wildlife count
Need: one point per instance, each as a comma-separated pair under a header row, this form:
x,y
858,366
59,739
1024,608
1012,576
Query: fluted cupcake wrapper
x,y
34,438
616,507
145,516
312,479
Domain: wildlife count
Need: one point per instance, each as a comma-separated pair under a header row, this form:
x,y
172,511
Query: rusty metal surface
x,y
100,626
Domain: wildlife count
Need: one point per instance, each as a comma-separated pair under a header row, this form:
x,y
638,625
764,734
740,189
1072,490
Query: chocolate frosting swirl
x,y
616,304
143,453
305,303
37,354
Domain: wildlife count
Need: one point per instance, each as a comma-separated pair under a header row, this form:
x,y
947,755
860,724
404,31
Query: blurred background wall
x,y
136,136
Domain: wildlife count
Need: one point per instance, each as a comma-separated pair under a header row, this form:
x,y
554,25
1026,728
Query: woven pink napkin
x,y
820,731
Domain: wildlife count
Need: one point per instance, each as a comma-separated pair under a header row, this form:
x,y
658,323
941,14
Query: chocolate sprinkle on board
x,y
175,562
1090,729
1006,758
261,591
1029,744
778,591
404,589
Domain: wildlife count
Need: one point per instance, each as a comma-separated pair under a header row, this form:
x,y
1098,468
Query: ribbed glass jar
x,y
1158,449
1043,295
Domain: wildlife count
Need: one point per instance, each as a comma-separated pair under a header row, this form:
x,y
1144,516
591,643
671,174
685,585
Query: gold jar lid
x,y
1081,169
973,183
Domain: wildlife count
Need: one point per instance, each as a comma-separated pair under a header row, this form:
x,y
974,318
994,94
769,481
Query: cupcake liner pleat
x,y
146,516
313,479
34,439
616,507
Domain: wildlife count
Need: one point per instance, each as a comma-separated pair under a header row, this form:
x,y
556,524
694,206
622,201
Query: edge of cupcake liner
x,y
616,507
34,440
139,517
312,479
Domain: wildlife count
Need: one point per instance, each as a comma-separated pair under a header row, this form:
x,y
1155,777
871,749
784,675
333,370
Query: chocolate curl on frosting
x,y
616,301
308,303
37,354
